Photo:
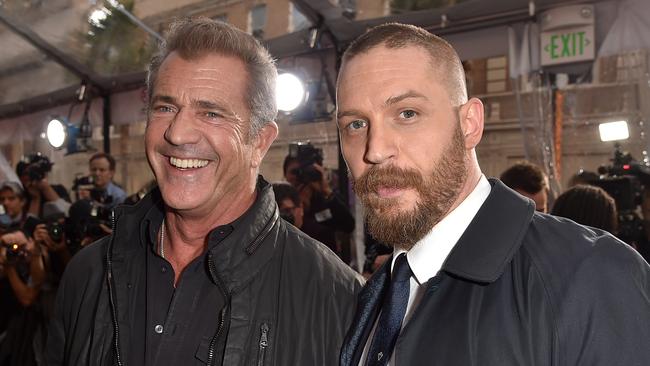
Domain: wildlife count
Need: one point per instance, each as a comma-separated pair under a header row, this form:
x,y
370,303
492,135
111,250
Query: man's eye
x,y
163,109
212,115
357,124
408,114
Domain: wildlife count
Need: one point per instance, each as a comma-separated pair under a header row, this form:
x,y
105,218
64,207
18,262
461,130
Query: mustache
x,y
389,177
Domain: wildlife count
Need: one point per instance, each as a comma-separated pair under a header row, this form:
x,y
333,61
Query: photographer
x,y
12,198
32,171
324,212
102,170
21,265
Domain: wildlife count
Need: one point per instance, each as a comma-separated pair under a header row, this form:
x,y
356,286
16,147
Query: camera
x,y
54,228
35,166
15,253
84,220
625,180
96,194
307,155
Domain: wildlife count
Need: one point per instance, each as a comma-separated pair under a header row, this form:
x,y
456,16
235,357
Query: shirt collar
x,y
428,254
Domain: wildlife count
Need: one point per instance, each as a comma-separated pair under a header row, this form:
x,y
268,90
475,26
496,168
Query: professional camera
x,y
54,228
307,155
15,253
84,220
96,194
625,180
35,166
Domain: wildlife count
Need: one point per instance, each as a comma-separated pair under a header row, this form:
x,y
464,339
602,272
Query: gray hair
x,y
195,37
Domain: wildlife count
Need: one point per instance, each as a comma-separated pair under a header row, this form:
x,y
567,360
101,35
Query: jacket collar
x,y
493,237
237,258
240,256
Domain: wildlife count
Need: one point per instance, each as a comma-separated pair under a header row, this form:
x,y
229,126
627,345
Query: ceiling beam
x,y
72,65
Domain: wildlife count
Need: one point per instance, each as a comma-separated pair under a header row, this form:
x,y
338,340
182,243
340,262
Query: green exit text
x,y
567,45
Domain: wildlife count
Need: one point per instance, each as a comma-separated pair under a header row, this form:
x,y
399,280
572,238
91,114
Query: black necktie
x,y
392,314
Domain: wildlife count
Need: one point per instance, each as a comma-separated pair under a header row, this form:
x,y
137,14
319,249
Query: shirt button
x,y
163,269
158,329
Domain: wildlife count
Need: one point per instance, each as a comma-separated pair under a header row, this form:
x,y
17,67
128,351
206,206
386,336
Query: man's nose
x,y
380,145
181,130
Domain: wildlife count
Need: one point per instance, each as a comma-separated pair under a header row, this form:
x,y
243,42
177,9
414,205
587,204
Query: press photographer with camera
x,y
21,265
324,212
32,171
102,169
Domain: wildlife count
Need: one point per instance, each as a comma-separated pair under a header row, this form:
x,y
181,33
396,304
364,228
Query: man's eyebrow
x,y
390,101
164,99
207,104
348,113
398,98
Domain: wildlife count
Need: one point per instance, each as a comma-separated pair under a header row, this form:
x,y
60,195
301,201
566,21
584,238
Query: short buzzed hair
x,y
196,37
444,59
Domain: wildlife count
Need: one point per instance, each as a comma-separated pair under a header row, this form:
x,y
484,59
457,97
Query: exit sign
x,y
567,35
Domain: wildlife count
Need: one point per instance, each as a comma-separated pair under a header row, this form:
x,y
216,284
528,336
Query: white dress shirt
x,y
428,254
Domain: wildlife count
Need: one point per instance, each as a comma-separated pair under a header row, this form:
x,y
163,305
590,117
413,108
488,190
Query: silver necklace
x,y
162,240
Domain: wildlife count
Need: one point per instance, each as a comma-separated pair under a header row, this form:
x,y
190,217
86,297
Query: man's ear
x,y
262,142
472,122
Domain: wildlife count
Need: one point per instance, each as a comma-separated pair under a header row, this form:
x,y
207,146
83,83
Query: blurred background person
x,y
588,205
583,177
12,198
530,181
325,213
32,171
102,170
289,204
22,272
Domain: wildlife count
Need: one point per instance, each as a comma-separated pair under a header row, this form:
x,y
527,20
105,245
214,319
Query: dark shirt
x,y
175,322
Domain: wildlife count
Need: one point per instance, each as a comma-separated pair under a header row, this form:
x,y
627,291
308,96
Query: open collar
x,y
493,236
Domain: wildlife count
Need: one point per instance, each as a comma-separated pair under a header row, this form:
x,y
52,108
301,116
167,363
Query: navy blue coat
x,y
522,288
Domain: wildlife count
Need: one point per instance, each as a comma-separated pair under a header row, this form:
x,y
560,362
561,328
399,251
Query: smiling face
x,y
403,141
198,137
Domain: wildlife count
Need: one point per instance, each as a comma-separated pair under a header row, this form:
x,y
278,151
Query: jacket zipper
x,y
109,266
264,343
223,315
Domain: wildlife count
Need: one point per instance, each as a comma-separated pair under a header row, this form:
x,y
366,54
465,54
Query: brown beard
x,y
437,193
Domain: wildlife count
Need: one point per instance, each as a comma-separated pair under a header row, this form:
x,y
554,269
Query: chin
x,y
180,199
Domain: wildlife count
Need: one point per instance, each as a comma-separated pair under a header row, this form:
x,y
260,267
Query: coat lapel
x,y
368,308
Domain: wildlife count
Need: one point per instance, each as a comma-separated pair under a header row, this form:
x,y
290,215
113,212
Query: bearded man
x,y
477,276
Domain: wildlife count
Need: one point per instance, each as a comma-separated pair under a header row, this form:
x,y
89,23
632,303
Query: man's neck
x,y
186,233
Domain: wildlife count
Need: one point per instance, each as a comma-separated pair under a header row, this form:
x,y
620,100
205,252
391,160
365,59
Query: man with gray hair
x,y
203,270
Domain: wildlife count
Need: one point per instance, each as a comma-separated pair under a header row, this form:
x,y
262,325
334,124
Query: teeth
x,y
188,163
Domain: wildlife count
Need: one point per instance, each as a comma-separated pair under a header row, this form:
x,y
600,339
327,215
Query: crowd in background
x,y
41,228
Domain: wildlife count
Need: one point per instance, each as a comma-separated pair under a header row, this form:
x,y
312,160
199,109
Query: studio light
x,y
290,92
62,134
613,131
56,133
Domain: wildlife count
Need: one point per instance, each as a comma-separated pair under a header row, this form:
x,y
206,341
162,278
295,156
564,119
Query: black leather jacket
x,y
289,300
